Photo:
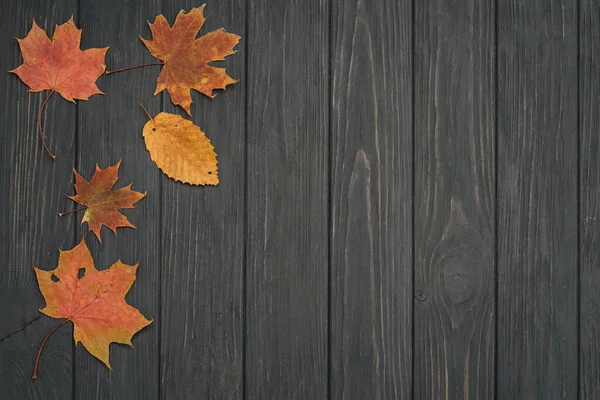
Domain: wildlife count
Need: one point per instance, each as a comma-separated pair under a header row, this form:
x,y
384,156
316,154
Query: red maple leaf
x,y
102,202
59,65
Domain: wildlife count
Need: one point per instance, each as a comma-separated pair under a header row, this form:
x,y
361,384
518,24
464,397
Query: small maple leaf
x,y
102,202
181,150
94,301
186,58
59,65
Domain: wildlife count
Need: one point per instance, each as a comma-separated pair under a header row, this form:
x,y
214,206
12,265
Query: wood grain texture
x,y
287,253
311,299
110,129
203,239
589,194
371,204
537,199
33,191
454,199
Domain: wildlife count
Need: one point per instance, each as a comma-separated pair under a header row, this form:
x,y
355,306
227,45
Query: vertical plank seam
x,y
496,208
160,274
74,236
578,256
161,394
413,195
329,203
245,207
160,257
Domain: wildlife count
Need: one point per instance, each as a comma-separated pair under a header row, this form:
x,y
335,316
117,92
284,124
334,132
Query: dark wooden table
x,y
409,205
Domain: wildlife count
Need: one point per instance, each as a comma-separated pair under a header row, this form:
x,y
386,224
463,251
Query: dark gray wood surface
x,y
32,192
371,201
537,332
589,199
202,239
109,130
454,196
286,346
407,208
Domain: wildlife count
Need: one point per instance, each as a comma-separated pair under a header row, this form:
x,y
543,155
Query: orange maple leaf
x,y
102,202
181,150
186,58
94,301
59,65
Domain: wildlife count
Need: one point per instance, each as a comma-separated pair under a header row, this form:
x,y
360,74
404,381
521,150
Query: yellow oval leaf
x,y
181,150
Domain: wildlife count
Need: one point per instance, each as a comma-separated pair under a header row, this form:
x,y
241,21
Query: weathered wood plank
x,y
203,239
287,200
454,199
537,199
33,191
589,194
110,129
371,205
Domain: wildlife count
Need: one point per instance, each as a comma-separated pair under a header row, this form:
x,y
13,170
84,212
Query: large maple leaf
x,y
186,58
94,301
181,150
59,65
102,202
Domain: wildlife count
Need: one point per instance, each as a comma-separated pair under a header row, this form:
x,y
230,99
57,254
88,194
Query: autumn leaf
x,y
181,150
59,65
94,301
186,58
102,202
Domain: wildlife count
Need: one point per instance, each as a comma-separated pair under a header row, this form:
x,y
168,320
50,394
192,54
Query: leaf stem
x,y
37,359
39,124
133,67
146,111
71,211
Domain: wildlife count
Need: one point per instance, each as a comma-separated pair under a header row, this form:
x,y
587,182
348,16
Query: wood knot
x,y
420,296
